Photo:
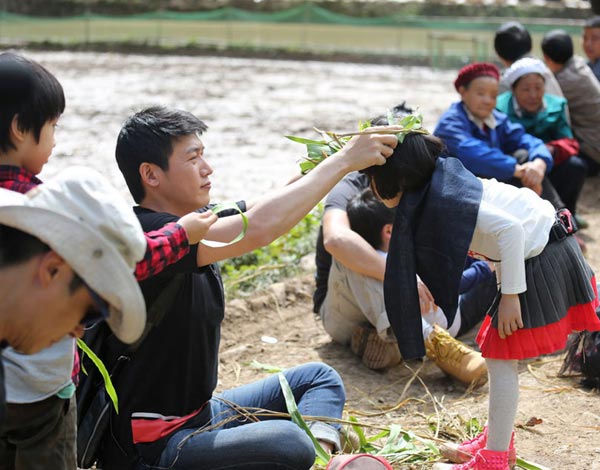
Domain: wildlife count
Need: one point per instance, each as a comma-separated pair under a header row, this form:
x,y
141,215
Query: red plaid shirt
x,y
164,246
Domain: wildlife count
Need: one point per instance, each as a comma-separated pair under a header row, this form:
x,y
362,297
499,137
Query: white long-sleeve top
x,y
513,224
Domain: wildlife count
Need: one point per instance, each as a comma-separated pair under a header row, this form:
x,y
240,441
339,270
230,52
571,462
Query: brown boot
x,y
376,353
455,358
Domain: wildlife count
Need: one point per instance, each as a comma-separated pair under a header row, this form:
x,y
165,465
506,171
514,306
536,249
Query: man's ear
x,y
461,90
149,173
50,266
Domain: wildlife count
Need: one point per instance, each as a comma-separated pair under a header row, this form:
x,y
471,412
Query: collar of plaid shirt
x,y
17,179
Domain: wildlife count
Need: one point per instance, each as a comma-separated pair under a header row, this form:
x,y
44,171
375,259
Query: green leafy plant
x,y
290,403
228,206
110,388
319,150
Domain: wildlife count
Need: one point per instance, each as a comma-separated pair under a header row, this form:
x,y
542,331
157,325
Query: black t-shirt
x,y
174,370
338,198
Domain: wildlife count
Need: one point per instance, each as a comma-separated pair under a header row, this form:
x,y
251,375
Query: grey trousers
x,y
354,299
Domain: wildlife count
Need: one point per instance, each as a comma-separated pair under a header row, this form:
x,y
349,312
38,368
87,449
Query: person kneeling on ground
x,y
354,313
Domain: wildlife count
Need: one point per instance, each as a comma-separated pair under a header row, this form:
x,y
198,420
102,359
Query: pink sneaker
x,y
461,453
483,460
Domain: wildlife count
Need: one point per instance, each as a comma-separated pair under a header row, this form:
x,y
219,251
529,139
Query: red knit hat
x,y
477,69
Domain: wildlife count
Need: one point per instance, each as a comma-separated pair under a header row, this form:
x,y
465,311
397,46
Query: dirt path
x,y
249,105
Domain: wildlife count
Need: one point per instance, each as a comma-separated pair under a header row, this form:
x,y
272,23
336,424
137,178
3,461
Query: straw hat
x,y
84,220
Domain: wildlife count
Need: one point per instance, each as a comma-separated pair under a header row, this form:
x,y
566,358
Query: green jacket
x,y
548,124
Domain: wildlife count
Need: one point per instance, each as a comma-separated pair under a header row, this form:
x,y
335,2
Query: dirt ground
x,y
249,105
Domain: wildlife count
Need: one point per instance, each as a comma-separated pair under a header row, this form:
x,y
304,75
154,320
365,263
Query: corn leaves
x,y
110,388
319,150
322,456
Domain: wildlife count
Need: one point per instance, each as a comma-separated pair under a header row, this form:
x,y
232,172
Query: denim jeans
x,y
272,443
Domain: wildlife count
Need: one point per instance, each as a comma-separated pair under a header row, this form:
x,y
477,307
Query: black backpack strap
x,y
157,311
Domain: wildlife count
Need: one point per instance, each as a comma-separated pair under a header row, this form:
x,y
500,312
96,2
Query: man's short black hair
x,y
512,41
148,137
368,216
593,22
558,46
30,92
18,247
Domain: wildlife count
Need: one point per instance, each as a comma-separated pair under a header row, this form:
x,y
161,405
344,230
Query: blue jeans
x,y
272,443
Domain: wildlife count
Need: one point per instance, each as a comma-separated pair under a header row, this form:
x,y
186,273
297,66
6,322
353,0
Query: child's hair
x,y
409,168
29,92
512,41
593,22
148,137
558,46
368,216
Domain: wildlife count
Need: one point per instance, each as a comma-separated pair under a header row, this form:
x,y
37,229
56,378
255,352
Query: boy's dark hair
x,y
368,216
30,92
512,41
409,168
593,22
558,46
148,137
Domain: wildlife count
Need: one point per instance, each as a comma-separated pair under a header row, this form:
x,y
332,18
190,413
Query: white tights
x,y
503,401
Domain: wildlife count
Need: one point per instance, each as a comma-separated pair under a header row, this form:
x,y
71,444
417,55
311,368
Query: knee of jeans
x,y
328,376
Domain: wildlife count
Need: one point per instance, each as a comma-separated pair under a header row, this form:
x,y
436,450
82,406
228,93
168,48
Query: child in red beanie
x,y
485,140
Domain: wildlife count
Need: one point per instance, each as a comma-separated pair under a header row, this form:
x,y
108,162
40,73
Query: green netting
x,y
313,14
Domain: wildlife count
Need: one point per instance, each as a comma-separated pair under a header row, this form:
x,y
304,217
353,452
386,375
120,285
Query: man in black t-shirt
x,y
168,414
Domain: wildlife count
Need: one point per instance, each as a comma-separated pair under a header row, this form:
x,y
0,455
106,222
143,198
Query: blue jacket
x,y
474,272
432,231
488,154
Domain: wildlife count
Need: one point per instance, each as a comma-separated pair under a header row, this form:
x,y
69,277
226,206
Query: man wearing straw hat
x,y
67,254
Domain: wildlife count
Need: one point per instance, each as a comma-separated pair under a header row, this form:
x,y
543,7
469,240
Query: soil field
x,y
249,106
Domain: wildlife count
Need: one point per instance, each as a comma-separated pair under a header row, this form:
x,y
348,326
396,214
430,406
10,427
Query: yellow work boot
x,y
455,358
